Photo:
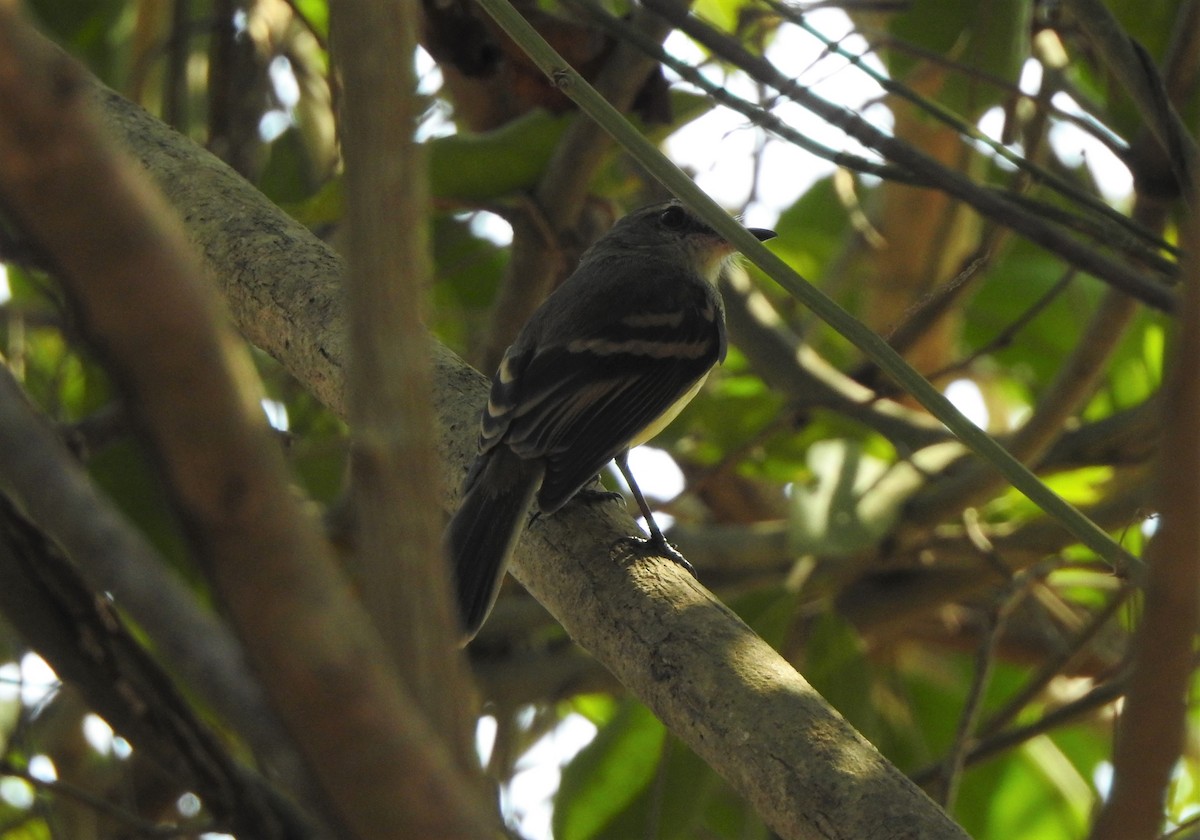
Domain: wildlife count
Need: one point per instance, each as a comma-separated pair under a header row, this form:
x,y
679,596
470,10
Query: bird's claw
x,y
593,495
658,546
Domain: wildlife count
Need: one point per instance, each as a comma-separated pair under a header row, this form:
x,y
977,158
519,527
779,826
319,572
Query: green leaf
x,y
986,35
810,233
1013,286
316,12
324,207
287,179
608,773
469,269
86,29
686,800
835,664
488,165
720,13
598,708
1031,793
1083,486
122,472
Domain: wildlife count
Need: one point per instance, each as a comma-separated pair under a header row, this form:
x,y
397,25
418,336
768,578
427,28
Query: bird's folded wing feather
x,y
577,405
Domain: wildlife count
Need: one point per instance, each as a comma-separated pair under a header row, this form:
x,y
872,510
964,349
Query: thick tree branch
x,y
396,520
143,301
1150,736
55,491
704,672
82,638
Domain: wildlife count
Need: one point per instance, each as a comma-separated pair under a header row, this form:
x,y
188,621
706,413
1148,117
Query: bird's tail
x,y
483,533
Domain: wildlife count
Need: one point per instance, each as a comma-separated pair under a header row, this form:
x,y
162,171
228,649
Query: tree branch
x,y
1150,734
56,492
729,696
396,542
1138,284
125,263
84,641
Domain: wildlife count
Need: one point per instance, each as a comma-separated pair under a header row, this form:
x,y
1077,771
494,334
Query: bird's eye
x,y
673,218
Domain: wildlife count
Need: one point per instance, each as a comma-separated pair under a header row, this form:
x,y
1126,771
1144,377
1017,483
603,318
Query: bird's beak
x,y
762,234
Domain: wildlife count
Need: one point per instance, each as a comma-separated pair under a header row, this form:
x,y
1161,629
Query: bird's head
x,y
671,228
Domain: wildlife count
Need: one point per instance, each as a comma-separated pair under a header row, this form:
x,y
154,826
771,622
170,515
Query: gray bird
x,y
604,364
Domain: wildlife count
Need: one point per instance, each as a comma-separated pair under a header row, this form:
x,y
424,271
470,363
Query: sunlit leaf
x,y
986,35
608,773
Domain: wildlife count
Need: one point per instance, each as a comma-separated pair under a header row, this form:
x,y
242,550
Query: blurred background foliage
x,y
978,649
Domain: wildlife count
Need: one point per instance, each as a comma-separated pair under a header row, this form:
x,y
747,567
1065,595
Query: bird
x,y
606,362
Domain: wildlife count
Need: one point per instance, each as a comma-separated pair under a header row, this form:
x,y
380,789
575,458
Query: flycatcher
x,y
604,364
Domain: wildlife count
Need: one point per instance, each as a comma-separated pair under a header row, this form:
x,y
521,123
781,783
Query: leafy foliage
x,y
889,615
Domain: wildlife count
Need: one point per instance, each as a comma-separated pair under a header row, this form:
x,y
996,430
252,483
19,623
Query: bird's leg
x,y
657,540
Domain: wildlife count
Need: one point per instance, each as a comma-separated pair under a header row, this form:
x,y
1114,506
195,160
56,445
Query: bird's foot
x,y
586,496
597,495
657,546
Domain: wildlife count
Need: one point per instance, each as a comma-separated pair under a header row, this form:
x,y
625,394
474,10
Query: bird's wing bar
x,y
591,405
608,430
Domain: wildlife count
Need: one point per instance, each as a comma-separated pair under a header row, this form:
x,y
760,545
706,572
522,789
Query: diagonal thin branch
x,y
871,344
1145,286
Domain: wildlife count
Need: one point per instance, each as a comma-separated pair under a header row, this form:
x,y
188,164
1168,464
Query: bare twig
x,y
178,48
144,828
756,113
1037,174
985,657
238,89
1129,62
1055,665
1005,337
1096,699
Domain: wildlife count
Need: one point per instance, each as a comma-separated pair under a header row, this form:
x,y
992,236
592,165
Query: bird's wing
x,y
578,404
